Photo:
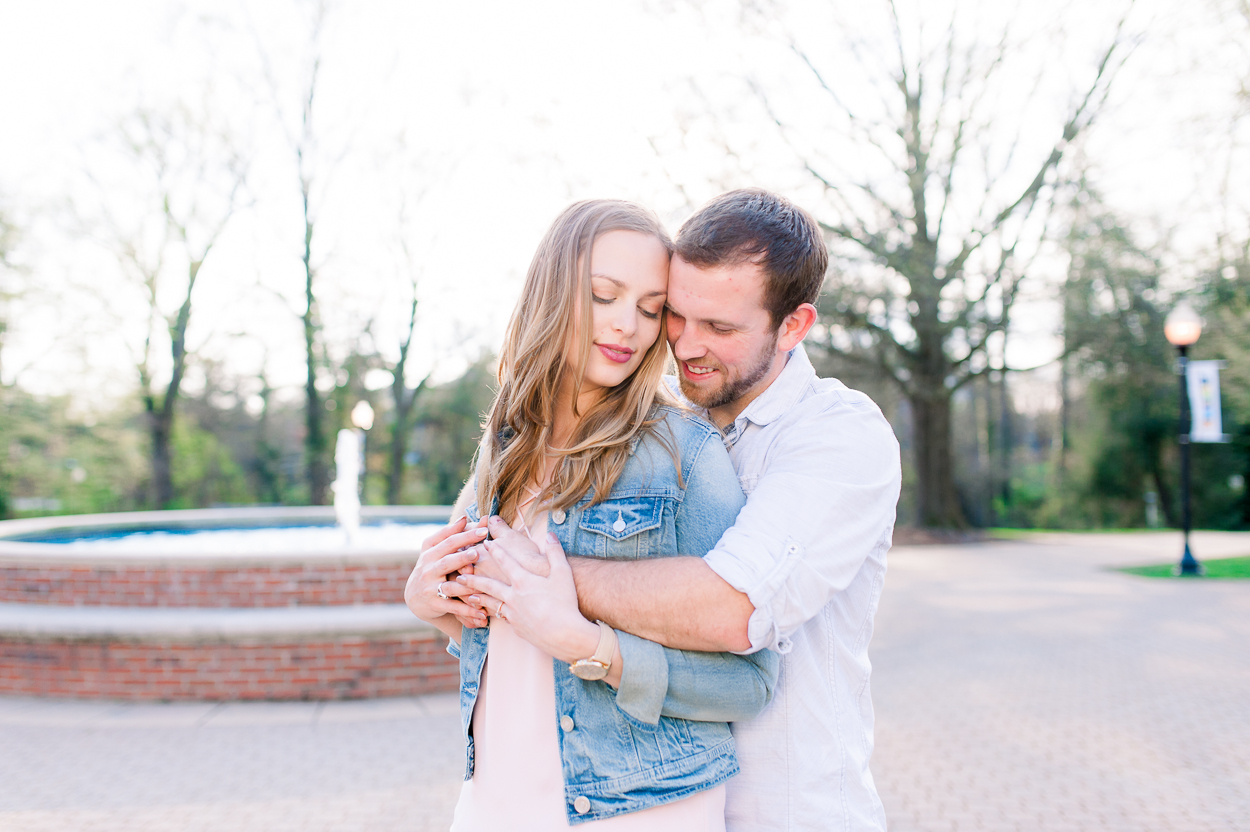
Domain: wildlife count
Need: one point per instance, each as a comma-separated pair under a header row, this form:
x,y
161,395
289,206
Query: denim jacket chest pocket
x,y
625,527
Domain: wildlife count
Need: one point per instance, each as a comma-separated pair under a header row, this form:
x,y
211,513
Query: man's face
x,y
721,335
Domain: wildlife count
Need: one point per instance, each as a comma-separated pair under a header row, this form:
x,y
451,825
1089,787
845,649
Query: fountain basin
x,y
238,559
88,611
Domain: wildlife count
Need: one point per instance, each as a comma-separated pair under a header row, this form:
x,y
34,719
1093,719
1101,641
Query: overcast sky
x,y
488,118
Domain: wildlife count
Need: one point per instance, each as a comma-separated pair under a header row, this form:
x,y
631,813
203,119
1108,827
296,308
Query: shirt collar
x,y
779,397
783,394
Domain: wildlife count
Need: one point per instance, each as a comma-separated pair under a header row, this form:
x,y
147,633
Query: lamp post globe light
x,y
1182,328
362,420
362,415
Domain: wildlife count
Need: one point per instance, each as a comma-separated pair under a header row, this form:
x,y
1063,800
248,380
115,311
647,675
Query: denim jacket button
x,y
582,805
557,516
566,723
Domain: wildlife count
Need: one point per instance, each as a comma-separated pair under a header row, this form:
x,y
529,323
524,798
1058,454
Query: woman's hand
x,y
541,608
443,555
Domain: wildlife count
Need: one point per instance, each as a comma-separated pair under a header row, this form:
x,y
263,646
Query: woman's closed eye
x,y
598,299
647,313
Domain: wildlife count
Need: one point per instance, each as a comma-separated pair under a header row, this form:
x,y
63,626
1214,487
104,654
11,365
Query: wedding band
x,y
439,590
499,612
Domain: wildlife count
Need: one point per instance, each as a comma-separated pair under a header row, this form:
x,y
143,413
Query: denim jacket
x,y
663,734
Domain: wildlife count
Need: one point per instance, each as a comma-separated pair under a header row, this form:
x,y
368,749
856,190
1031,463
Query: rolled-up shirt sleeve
x,y
658,681
823,502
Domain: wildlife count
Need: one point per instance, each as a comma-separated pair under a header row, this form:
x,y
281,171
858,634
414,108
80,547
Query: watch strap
x,y
607,646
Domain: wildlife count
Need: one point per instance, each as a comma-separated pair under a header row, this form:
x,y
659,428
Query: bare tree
x,y
403,398
934,235
316,437
414,180
192,177
313,172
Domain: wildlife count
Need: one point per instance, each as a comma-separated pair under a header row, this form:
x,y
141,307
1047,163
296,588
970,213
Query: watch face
x,y
588,669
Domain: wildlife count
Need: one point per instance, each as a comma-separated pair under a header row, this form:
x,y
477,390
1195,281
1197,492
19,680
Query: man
x,y
801,570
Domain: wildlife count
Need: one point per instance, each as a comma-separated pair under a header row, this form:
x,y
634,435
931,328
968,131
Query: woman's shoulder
x,y
683,424
680,435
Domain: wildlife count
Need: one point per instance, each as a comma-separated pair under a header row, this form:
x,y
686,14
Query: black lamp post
x,y
1182,328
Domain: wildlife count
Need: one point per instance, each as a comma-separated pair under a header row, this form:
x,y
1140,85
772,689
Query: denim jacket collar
x,y
506,434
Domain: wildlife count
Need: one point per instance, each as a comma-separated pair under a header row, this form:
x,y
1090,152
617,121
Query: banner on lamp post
x,y
1203,380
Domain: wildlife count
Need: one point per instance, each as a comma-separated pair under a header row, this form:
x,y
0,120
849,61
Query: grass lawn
x,y
1218,568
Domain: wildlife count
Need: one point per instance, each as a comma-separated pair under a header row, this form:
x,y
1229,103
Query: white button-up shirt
x,y
820,467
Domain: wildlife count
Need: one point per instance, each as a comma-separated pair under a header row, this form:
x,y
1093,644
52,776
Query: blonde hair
x,y
534,359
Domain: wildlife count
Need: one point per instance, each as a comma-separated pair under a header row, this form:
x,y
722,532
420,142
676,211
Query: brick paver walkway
x,y
1018,686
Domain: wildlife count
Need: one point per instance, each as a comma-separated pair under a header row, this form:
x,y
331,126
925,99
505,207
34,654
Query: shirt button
x,y
566,722
582,805
557,516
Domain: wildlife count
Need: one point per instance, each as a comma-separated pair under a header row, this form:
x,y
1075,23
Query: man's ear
x,y
795,327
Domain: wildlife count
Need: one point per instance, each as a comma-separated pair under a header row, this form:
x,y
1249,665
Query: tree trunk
x,y
1245,486
405,401
1243,440
937,503
314,421
161,419
1006,445
399,442
161,426
268,458
983,414
315,441
1065,420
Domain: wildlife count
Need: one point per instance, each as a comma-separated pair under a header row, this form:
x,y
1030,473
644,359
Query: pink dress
x,y
518,780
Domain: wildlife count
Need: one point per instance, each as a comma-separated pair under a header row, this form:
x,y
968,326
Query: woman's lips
x,y
615,352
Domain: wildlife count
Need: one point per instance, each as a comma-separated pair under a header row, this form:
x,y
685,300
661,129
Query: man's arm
x,y
678,602
823,505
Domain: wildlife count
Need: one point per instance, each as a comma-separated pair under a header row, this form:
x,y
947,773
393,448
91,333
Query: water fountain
x,y
220,604
346,485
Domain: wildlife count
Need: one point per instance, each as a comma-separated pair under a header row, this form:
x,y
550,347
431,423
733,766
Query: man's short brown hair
x,y
760,227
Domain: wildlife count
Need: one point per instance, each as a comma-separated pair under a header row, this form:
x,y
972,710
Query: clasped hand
x,y
535,589
431,592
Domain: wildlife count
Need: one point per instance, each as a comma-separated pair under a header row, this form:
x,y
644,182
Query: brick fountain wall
x,y
232,627
189,585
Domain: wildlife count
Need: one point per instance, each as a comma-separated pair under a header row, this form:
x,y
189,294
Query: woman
x,y
571,722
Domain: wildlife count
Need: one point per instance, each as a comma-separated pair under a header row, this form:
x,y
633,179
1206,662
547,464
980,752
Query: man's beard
x,y
732,388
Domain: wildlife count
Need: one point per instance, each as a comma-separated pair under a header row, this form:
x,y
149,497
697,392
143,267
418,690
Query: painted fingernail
x,y
480,532
551,537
